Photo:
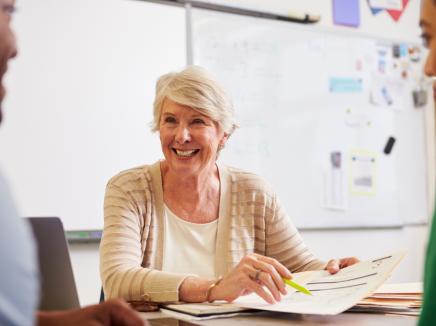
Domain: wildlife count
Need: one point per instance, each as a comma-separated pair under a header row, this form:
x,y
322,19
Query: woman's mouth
x,y
185,153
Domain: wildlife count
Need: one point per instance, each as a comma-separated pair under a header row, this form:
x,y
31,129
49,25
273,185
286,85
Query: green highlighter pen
x,y
296,286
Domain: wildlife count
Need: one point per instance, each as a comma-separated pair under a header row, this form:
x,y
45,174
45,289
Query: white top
x,y
189,248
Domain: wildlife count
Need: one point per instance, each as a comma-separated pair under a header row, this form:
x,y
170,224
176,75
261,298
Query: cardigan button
x,y
146,297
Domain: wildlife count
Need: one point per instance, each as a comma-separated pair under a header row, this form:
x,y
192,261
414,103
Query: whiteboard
x,y
79,100
303,95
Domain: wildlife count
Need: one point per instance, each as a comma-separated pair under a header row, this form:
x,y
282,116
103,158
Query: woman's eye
x,y
425,39
198,121
170,120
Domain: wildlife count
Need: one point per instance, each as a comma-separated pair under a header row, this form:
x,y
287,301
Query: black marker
x,y
389,144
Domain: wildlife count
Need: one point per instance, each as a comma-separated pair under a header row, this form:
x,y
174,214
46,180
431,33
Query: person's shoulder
x,y
245,180
138,175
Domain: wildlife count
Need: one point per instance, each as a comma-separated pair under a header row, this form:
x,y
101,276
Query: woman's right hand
x,y
254,273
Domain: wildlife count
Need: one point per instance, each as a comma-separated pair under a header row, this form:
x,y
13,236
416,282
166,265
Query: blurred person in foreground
x,y
428,26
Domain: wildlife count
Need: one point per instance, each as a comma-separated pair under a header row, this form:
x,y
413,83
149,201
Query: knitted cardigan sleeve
x,y
284,242
129,233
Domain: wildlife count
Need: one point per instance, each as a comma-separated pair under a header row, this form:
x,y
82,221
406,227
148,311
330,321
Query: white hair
x,y
197,89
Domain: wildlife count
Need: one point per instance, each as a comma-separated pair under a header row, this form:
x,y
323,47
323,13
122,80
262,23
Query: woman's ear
x,y
224,140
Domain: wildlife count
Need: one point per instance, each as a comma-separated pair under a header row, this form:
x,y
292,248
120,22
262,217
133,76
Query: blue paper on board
x,y
345,85
346,12
404,50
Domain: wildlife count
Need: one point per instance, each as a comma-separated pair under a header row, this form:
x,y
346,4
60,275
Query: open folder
x,y
331,294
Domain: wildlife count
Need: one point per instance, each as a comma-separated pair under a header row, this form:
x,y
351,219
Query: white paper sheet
x,y
332,294
363,172
386,4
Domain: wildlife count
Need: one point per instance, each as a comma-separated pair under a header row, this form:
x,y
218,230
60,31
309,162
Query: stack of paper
x,y
399,299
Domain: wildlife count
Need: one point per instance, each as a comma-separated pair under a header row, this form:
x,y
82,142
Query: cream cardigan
x,y
250,220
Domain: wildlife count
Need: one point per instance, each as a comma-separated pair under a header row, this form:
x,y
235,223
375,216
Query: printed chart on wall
x,y
334,122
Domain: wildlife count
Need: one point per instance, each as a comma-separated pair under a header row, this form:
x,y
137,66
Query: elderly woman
x,y
189,229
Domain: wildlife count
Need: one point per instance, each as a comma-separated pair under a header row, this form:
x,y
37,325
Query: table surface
x,y
268,318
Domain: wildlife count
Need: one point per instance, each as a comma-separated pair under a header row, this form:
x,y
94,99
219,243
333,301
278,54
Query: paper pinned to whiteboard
x,y
335,196
386,4
363,172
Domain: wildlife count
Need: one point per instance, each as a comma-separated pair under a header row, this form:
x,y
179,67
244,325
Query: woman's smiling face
x,y
189,139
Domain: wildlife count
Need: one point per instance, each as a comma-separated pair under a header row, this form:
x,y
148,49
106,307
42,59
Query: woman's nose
x,y
430,64
182,134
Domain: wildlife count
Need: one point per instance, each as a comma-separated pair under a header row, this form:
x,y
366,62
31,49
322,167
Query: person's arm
x,y
195,289
114,312
285,243
254,273
126,238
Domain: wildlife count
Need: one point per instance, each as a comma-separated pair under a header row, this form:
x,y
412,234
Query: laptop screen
x,y
58,288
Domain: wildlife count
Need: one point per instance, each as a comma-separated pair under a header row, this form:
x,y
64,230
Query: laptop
x,y
58,288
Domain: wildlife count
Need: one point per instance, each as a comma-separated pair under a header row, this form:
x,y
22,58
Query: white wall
x,y
82,88
324,243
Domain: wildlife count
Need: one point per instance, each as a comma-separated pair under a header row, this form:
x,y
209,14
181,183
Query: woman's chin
x,y
183,167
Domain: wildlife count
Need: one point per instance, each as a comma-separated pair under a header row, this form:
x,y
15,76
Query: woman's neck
x,y
194,197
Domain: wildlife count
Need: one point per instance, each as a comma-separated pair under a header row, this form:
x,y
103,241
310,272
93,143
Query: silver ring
x,y
256,276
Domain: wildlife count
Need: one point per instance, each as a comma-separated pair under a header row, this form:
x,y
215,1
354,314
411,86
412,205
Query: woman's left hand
x,y
334,265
